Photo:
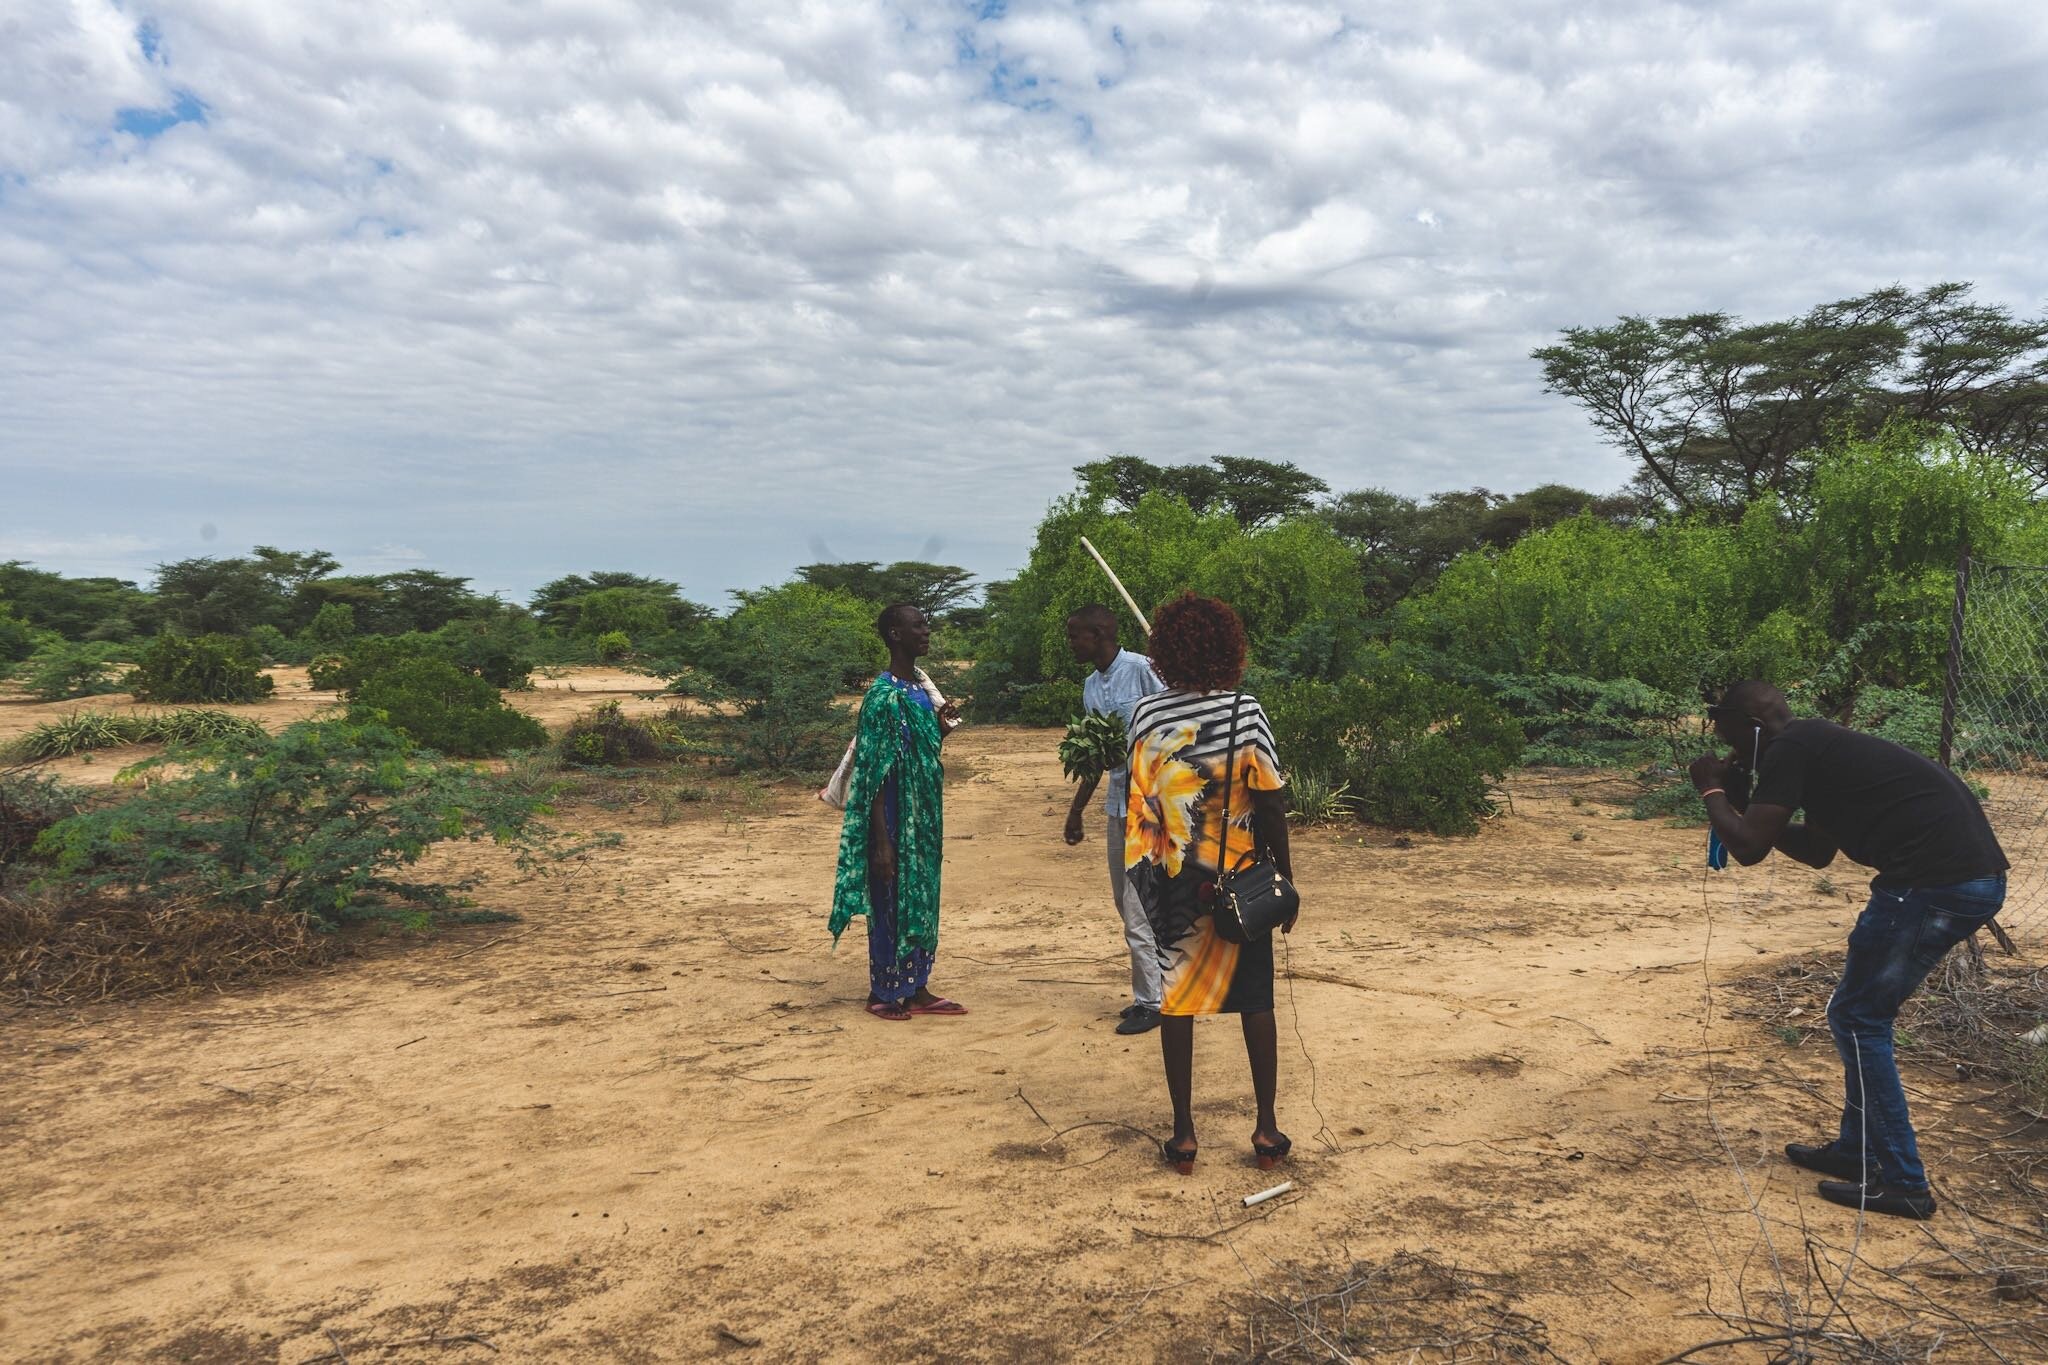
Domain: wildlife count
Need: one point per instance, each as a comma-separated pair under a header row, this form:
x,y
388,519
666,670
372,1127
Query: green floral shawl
x,y
881,751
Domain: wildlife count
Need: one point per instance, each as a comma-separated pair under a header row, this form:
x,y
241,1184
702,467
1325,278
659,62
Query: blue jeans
x,y
1899,938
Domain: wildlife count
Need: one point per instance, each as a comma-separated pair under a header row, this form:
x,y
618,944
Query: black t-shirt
x,y
1883,805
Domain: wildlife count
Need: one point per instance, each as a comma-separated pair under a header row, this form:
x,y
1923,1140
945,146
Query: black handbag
x,y
1252,899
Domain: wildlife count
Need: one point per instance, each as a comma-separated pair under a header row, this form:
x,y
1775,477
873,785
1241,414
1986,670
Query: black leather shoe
x,y
1829,1159
1879,1198
1141,1019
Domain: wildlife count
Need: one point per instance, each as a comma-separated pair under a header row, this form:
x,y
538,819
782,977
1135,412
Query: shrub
x,y
331,628
775,668
80,732
318,820
17,639
1049,703
62,671
1314,800
501,648
192,725
1901,716
605,736
29,804
1296,586
1667,794
276,647
344,672
614,644
209,668
1575,722
447,710
1413,752
83,731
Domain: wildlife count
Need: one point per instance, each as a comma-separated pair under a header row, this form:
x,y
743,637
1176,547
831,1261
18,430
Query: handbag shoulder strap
x,y
1229,772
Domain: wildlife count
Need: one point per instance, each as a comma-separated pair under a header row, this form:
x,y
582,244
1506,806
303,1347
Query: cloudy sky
x,y
709,289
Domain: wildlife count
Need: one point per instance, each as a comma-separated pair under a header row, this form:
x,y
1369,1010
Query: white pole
x,y
1123,592
1263,1195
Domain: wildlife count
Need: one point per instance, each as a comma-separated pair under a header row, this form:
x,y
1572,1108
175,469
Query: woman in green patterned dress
x,y
889,845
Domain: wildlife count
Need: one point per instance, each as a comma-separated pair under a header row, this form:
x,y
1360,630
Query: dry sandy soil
x,y
651,1122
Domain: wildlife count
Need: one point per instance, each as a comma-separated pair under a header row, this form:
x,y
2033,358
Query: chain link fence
x,y
1996,734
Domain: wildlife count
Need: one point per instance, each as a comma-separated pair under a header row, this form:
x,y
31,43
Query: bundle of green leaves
x,y
1094,744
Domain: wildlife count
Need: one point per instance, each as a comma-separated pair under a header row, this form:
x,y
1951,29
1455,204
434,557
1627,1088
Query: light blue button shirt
x,y
1118,689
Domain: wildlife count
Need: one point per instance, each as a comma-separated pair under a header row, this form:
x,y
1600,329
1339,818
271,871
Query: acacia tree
x,y
1253,491
1720,412
1403,543
936,589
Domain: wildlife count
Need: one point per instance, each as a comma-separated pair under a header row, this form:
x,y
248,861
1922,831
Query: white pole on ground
x,y
1122,591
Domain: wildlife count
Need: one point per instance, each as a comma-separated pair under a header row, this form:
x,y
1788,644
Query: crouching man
x,y
1940,878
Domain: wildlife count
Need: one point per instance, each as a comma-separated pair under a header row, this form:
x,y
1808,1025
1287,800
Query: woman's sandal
x,y
882,1009
939,1007
1181,1160
1272,1156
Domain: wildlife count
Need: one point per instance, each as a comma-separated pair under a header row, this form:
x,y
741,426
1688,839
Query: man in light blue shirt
x,y
1120,679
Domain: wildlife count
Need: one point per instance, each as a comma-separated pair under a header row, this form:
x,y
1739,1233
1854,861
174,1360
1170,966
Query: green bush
x,y
605,736
62,671
80,732
498,649
1295,584
449,711
1667,794
344,672
613,645
1049,703
502,648
83,731
331,628
774,670
204,668
29,804
1414,753
1574,722
276,647
1901,716
317,820
17,639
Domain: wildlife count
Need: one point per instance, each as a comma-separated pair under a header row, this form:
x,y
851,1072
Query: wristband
x,y
1713,791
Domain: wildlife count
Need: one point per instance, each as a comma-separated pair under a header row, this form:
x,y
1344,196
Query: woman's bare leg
x,y
1177,1049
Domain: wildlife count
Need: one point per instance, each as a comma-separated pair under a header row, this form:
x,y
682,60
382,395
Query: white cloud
x,y
567,285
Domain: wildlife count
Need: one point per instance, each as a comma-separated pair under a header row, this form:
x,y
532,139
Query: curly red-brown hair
x,y
1197,643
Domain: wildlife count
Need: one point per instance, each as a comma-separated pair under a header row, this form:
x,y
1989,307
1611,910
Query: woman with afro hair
x,y
1175,841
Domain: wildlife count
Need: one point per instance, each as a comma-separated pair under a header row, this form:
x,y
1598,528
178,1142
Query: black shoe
x,y
1141,1019
1829,1158
1129,1010
1879,1198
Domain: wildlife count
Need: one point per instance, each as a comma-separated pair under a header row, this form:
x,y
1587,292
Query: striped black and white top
x,y
1210,713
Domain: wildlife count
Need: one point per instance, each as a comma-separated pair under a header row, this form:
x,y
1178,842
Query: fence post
x,y
1950,684
1952,676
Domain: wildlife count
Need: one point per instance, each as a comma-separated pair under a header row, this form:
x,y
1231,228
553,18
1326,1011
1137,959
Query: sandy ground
x,y
651,1122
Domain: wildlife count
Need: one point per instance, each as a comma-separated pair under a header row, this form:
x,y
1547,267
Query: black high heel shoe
x,y
1272,1156
1181,1160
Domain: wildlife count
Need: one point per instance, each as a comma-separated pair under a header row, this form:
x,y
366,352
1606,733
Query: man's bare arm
x,y
1812,846
1750,835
